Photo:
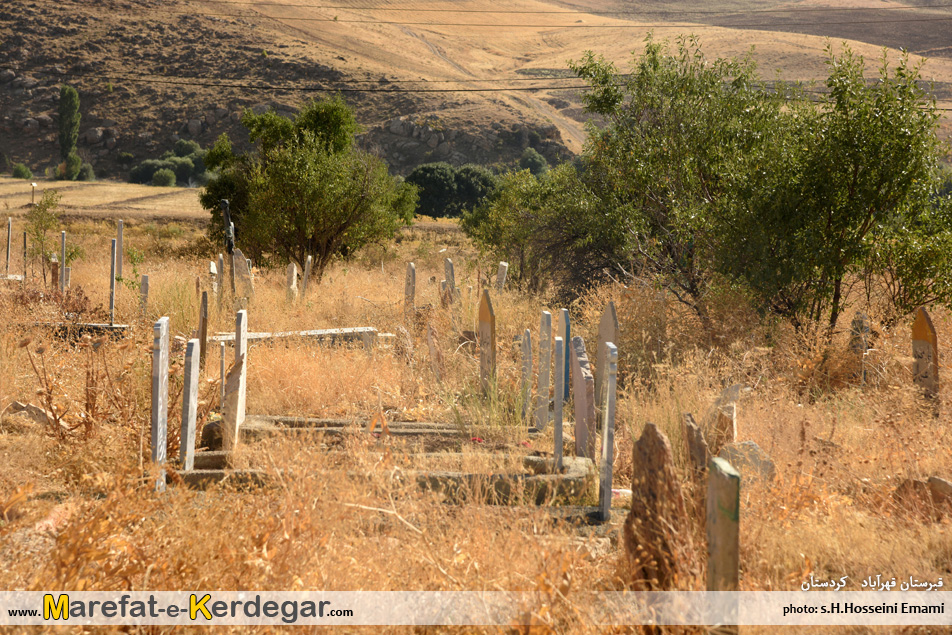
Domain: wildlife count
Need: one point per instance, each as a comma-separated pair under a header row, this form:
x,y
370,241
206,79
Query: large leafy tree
x,y
305,190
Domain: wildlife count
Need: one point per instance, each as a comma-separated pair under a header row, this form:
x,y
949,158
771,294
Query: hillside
x,y
458,81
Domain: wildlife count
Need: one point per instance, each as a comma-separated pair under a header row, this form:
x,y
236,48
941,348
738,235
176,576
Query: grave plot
x,y
451,471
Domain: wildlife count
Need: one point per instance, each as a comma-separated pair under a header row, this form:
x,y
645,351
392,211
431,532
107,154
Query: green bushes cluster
x,y
163,177
446,191
20,171
186,162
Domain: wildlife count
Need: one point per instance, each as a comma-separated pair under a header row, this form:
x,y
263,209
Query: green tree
x,y
533,161
68,121
41,219
437,189
474,184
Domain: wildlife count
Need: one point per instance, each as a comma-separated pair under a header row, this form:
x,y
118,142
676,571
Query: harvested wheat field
x,y
337,504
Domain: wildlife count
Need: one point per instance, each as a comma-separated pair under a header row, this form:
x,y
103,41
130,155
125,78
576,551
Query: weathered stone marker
x,y
292,288
526,374
608,331
699,455
119,251
213,274
749,457
409,296
221,403
233,411
112,283
608,433
54,270
559,346
660,551
724,429
723,526
565,332
9,242
308,264
583,386
160,395
144,295
203,329
859,342
436,356
545,370
501,274
244,287
487,343
450,276
221,280
925,354
62,271
189,405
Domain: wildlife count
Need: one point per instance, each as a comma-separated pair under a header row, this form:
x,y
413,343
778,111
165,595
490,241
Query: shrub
x,y
533,161
20,171
163,178
86,173
186,147
69,169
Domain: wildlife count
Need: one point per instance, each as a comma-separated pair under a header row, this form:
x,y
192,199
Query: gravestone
x,y
608,433
545,371
62,271
501,274
160,395
608,331
409,296
748,457
565,332
54,270
723,526
450,275
436,355
213,274
487,343
699,455
308,264
9,242
559,349
203,329
925,354
292,288
583,387
244,287
189,404
221,385
241,351
119,251
724,428
144,295
221,281
24,260
230,404
526,374
659,549
859,342
112,284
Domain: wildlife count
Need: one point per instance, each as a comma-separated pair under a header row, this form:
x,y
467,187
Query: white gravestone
x,y
583,387
189,405
559,347
608,432
545,370
160,396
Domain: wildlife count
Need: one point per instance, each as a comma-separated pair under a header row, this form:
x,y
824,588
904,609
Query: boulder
x,y
212,435
93,136
7,76
194,127
45,121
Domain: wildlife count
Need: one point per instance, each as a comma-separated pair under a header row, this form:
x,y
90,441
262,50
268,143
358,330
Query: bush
x,y
186,147
163,178
69,170
20,171
437,183
533,161
86,173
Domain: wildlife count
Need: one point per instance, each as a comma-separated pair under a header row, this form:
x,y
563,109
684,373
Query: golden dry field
x,y
76,512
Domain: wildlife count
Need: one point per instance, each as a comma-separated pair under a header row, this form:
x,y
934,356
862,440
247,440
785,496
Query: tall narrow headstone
x,y
545,370
583,387
526,374
160,395
487,343
203,329
608,433
292,288
112,283
119,251
723,526
213,274
221,404
436,356
144,295
221,280
9,242
450,272
62,269
189,405
559,346
307,274
233,410
231,263
608,331
925,354
501,274
244,287
859,343
565,332
409,296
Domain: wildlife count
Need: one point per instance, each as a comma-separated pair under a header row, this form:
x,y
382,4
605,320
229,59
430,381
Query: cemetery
x,y
460,435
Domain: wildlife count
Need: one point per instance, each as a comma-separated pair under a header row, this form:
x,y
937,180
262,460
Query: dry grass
x,y
75,513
